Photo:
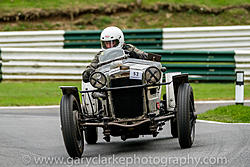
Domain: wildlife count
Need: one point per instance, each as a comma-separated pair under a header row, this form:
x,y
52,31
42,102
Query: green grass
x,y
48,4
229,114
217,91
210,3
32,93
48,93
136,19
133,20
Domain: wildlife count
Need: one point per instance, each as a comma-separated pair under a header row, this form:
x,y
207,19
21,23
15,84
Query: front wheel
x,y
185,115
72,134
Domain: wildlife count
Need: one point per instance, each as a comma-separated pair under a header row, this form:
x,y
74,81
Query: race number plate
x,y
135,74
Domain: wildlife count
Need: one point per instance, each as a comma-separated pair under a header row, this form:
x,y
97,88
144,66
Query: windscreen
x,y
110,54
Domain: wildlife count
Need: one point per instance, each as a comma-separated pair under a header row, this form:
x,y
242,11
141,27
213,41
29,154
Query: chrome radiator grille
x,y
128,103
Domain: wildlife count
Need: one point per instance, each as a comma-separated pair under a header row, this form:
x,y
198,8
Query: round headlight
x,y
152,75
98,80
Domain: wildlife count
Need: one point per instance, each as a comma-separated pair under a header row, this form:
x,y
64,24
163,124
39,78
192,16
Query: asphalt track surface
x,y
32,137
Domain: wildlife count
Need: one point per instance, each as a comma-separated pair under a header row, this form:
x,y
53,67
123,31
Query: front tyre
x,y
72,134
185,115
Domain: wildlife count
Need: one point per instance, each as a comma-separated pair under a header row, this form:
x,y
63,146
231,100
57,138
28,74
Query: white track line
x,y
31,107
219,102
221,123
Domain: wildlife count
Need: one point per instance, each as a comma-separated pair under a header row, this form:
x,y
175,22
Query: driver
x,y
112,37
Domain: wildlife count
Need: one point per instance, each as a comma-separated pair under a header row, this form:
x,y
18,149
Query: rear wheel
x,y
173,122
185,115
72,134
91,135
174,130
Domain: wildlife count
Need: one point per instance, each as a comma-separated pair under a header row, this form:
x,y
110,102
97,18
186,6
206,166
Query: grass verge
x,y
62,4
48,93
136,19
228,114
32,93
217,91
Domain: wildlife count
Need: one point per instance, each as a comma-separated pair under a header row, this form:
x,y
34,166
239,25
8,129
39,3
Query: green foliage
x,y
213,91
216,91
136,19
20,27
61,4
32,93
230,114
102,21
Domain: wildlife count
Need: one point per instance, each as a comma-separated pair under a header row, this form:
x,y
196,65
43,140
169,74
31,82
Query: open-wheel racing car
x,y
123,97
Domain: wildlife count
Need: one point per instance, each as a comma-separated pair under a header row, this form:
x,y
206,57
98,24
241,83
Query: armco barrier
x,y
68,64
207,38
242,60
200,65
141,38
32,39
44,64
220,38
185,38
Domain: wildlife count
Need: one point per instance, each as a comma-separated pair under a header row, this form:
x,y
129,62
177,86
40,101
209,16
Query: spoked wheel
x,y
91,135
72,134
185,115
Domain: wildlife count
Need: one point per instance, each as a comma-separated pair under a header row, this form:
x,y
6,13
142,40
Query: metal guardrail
x,y
40,64
141,38
207,38
68,64
242,60
200,65
32,39
185,38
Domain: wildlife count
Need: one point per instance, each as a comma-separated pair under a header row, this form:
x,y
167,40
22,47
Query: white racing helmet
x,y
111,37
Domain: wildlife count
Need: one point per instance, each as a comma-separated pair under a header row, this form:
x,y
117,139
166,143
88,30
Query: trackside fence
x,y
200,65
207,38
219,38
203,52
184,38
44,64
68,64
242,61
141,38
32,39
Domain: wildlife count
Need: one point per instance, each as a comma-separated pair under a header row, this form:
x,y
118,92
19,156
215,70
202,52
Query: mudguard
x,y
176,79
90,105
66,90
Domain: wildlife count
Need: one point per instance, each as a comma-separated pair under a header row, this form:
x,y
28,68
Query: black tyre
x,y
72,134
174,130
91,135
185,115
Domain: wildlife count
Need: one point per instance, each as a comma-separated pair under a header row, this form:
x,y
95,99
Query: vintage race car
x,y
123,97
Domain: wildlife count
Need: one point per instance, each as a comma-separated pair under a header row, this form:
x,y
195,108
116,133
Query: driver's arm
x,y
90,68
135,52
